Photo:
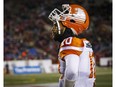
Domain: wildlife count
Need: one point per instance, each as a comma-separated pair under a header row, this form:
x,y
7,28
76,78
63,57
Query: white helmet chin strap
x,y
59,32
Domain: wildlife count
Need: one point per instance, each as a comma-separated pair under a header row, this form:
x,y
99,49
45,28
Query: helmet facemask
x,y
56,16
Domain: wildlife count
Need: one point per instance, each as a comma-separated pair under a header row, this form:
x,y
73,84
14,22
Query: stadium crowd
x,y
27,29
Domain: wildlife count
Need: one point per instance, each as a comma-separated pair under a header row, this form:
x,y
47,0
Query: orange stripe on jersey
x,y
66,52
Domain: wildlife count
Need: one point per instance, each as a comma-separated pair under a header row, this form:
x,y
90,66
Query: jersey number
x,y
67,41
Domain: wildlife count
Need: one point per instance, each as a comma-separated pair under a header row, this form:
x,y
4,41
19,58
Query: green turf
x,y
104,78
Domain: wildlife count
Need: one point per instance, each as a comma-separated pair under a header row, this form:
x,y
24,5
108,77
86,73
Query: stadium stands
x,y
26,29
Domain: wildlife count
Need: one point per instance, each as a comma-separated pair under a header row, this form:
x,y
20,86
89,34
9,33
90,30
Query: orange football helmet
x,y
73,16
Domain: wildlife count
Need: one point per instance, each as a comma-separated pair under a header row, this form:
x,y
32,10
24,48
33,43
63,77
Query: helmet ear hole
x,y
73,21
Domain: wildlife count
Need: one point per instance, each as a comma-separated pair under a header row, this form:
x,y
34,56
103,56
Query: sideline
x,y
36,85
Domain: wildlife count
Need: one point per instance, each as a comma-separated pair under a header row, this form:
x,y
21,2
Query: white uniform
x,y
76,55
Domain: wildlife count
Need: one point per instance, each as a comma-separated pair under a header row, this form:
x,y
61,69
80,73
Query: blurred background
x,y
28,47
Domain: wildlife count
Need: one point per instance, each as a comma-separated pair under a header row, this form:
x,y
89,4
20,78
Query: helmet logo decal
x,y
79,15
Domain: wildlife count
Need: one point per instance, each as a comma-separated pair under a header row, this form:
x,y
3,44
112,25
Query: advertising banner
x,y
27,70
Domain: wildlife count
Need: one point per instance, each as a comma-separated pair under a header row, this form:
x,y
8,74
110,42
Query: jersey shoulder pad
x,y
71,45
72,41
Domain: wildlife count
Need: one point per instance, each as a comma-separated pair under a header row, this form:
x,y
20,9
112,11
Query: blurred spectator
x,y
7,71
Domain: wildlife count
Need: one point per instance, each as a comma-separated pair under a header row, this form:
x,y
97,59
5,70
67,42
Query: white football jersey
x,y
82,48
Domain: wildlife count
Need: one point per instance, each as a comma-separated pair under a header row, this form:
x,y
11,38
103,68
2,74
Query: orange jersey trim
x,y
67,52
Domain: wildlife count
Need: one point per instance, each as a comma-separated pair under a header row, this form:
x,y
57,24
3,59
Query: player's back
x,y
82,48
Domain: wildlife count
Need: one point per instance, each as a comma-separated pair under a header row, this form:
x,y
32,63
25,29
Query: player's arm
x,y
71,71
61,69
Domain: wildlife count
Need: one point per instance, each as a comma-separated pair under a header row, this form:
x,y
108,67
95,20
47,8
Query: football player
x,y
76,59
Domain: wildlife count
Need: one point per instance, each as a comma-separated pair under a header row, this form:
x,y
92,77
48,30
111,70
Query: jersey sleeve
x,y
71,45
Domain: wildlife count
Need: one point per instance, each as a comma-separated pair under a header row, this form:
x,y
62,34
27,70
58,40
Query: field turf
x,y
104,78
